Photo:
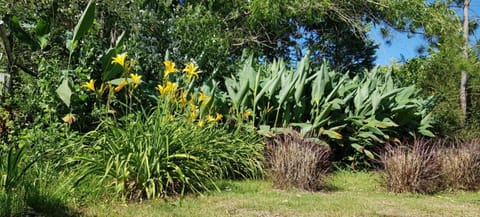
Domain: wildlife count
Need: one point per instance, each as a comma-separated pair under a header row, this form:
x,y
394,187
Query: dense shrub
x,y
297,162
461,165
355,115
431,165
150,156
414,168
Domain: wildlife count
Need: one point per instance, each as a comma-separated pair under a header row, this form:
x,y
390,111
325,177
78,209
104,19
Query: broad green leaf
x,y
269,87
320,119
42,28
375,97
368,154
332,134
386,123
357,147
64,92
302,70
43,40
42,32
84,24
369,136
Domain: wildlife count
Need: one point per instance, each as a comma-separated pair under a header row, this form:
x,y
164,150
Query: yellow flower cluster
x,y
135,80
185,101
190,70
178,100
169,88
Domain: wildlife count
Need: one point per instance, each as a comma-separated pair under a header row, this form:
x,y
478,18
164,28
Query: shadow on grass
x,y
47,205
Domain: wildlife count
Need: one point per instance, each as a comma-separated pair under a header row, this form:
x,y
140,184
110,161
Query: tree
x,y
464,78
438,71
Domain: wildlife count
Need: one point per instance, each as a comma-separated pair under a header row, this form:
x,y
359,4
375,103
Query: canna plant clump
x,y
355,115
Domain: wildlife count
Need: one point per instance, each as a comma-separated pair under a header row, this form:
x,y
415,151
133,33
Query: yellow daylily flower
x,y
211,118
161,90
219,117
203,98
193,107
191,71
120,59
201,123
169,67
247,114
193,114
136,79
120,86
183,99
90,85
171,86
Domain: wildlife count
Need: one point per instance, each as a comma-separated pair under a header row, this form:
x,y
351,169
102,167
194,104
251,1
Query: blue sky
x,y
407,47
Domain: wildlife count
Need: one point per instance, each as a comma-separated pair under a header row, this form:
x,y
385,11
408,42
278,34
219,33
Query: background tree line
x,y
216,33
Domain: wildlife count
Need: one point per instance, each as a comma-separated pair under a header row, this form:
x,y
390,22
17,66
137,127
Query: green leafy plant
x,y
150,156
12,171
82,27
355,115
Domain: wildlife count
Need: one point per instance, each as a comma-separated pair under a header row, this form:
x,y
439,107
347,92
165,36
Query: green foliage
x,y
439,75
83,25
32,149
150,156
355,115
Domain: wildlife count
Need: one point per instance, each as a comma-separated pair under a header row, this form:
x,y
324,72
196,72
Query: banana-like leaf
x,y
302,70
335,89
83,25
376,98
357,147
269,87
322,118
287,89
386,123
332,134
368,154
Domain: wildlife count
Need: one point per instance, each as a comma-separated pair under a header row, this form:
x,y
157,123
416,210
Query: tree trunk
x,y
464,78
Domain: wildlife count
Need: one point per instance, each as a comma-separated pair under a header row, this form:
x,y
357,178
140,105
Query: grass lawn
x,y
349,194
